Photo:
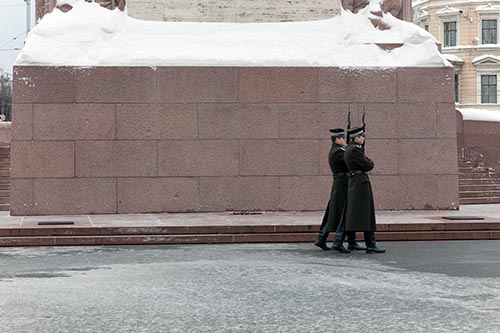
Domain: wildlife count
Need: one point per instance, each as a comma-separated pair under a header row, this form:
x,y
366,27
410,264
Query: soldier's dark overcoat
x,y
360,209
338,194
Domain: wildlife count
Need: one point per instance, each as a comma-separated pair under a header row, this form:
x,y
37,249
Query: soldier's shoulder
x,y
353,146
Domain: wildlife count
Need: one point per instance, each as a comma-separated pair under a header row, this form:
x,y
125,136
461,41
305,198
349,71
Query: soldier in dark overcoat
x,y
338,194
360,210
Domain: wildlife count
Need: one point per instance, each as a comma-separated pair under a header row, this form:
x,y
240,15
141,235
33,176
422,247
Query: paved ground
x,y
489,212
414,287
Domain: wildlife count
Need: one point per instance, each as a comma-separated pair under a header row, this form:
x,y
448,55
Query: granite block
x,y
448,123
482,140
235,121
43,84
197,84
279,157
198,158
386,191
418,192
74,122
417,120
278,84
115,84
305,193
156,121
75,196
382,119
481,127
310,121
447,192
460,120
239,193
384,154
21,197
146,195
116,158
422,156
35,159
22,122
357,85
421,84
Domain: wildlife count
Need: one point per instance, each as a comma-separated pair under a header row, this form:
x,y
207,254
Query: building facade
x,y
468,33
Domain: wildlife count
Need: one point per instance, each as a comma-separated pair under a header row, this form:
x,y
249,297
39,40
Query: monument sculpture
x,y
400,9
46,6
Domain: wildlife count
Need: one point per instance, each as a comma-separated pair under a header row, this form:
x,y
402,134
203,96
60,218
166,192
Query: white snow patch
x,y
488,7
480,114
485,56
452,58
89,35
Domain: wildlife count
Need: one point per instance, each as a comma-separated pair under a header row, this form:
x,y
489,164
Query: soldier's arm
x,y
363,162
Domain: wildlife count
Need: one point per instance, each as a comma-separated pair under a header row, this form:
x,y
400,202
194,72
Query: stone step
x,y
478,194
4,200
480,187
470,175
5,207
475,170
79,230
5,173
4,193
479,201
175,239
478,181
462,164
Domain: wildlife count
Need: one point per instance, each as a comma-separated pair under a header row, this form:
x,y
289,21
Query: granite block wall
x,y
200,139
479,141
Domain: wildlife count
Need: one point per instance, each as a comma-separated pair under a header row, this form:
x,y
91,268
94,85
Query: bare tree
x,y
5,95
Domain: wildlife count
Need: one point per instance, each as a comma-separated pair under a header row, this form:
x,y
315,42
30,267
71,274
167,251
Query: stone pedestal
x,y
200,139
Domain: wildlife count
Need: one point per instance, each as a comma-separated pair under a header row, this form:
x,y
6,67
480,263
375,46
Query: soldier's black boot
x,y
321,240
353,245
338,242
371,245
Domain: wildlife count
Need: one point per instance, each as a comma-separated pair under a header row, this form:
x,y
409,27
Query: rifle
x,y
348,126
364,125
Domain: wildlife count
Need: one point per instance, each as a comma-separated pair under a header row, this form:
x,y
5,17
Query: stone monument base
x,y
201,139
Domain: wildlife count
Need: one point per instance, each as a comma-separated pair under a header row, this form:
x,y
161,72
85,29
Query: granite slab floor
x,y
488,212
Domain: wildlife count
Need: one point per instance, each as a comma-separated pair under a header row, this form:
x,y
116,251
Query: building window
x,y
457,81
426,27
489,30
450,34
488,88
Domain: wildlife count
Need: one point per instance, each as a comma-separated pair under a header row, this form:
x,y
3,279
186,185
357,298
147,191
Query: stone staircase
x,y
4,177
477,184
438,230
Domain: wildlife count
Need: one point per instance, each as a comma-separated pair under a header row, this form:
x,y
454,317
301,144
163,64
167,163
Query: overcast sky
x,y
12,24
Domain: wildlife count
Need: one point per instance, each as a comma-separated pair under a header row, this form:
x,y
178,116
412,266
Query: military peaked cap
x,y
354,132
337,132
